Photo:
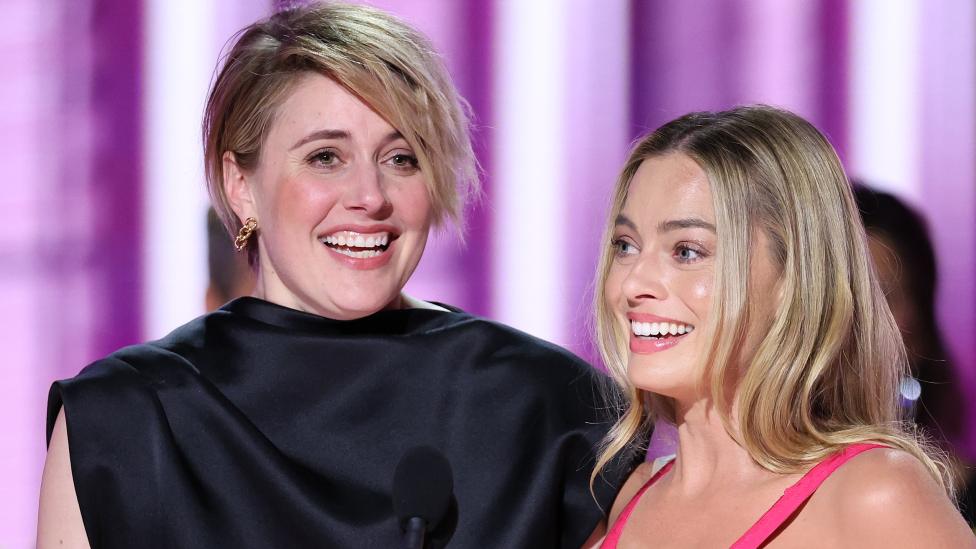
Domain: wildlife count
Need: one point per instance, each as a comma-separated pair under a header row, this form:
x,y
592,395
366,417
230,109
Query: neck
x,y
410,302
401,301
269,287
707,455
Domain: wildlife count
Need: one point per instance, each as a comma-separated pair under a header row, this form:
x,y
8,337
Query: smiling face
x,y
660,281
343,209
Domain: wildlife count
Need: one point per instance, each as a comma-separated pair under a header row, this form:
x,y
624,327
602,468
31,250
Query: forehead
x,y
669,187
316,102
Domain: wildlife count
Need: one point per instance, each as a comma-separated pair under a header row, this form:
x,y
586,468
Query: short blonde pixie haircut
x,y
827,370
377,57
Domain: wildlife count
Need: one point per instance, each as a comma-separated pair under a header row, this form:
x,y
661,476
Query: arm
x,y
888,499
59,521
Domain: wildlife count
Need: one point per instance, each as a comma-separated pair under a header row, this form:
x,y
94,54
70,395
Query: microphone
x,y
423,491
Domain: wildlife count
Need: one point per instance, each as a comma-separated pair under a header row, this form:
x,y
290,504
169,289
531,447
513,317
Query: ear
x,y
237,188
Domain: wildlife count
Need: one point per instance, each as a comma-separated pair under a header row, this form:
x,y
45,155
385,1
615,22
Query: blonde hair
x,y
377,57
826,373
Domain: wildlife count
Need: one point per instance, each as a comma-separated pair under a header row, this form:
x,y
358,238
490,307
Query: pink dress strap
x,y
777,515
794,496
610,542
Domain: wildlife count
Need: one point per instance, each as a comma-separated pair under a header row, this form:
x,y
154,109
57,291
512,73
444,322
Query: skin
x,y
715,492
309,183
359,172
665,270
59,521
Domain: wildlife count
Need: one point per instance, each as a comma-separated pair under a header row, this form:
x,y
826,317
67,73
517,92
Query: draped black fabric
x,y
262,426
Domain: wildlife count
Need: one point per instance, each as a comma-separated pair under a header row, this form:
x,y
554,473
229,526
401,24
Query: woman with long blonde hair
x,y
738,303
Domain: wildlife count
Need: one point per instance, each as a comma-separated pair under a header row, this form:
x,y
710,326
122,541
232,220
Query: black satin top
x,y
262,426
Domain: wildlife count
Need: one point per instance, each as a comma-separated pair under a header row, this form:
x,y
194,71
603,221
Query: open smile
x,y
651,333
360,249
358,245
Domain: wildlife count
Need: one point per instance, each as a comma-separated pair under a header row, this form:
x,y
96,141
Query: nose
x,y
644,282
367,193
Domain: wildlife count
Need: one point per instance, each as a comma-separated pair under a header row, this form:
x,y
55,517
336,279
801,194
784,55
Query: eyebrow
x,y
625,221
686,223
670,225
341,134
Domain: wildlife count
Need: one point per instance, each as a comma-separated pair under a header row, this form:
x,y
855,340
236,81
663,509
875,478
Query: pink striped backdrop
x,y
73,135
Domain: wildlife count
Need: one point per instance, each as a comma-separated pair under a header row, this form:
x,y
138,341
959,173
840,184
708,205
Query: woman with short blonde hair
x,y
738,303
334,141
387,64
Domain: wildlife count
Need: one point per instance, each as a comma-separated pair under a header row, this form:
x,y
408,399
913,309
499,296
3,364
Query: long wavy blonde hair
x,y
826,373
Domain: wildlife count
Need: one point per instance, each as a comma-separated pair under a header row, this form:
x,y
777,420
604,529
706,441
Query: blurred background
x,y
104,239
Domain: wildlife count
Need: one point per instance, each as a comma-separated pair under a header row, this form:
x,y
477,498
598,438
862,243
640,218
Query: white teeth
x,y
659,328
360,255
357,240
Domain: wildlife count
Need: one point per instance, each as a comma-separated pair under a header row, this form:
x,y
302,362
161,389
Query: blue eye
x,y
622,247
686,254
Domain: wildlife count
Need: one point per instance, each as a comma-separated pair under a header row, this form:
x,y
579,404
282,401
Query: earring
x,y
250,225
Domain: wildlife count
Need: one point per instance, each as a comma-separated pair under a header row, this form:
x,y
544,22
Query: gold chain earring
x,y
250,225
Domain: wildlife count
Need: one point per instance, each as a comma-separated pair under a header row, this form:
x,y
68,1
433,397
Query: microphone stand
x,y
413,537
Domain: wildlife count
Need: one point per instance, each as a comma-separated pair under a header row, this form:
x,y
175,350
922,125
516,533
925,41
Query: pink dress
x,y
760,532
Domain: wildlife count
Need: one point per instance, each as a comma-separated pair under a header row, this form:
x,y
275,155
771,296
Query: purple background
x,y
93,256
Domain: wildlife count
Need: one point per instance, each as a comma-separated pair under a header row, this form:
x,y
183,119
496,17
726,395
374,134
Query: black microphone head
x,y
423,486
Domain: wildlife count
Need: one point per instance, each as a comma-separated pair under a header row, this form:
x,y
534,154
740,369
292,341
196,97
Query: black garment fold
x,y
262,426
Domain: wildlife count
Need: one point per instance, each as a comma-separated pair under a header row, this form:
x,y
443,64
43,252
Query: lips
x,y
652,333
357,245
361,247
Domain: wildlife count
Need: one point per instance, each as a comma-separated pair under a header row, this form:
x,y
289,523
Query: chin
x,y
350,307
668,379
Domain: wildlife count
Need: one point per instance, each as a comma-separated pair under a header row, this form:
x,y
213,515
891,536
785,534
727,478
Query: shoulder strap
x,y
610,542
794,496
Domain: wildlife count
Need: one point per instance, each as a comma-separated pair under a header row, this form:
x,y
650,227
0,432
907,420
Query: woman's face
x,y
343,209
661,278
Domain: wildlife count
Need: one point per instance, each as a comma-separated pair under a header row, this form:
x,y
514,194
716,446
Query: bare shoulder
x,y
641,474
887,498
59,521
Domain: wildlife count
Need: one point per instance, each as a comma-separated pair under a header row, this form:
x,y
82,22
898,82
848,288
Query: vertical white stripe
x,y
528,185
597,137
885,93
180,56
779,62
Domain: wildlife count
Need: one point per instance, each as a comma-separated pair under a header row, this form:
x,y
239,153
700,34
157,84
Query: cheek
x,y
613,287
697,290
412,204
701,289
302,201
